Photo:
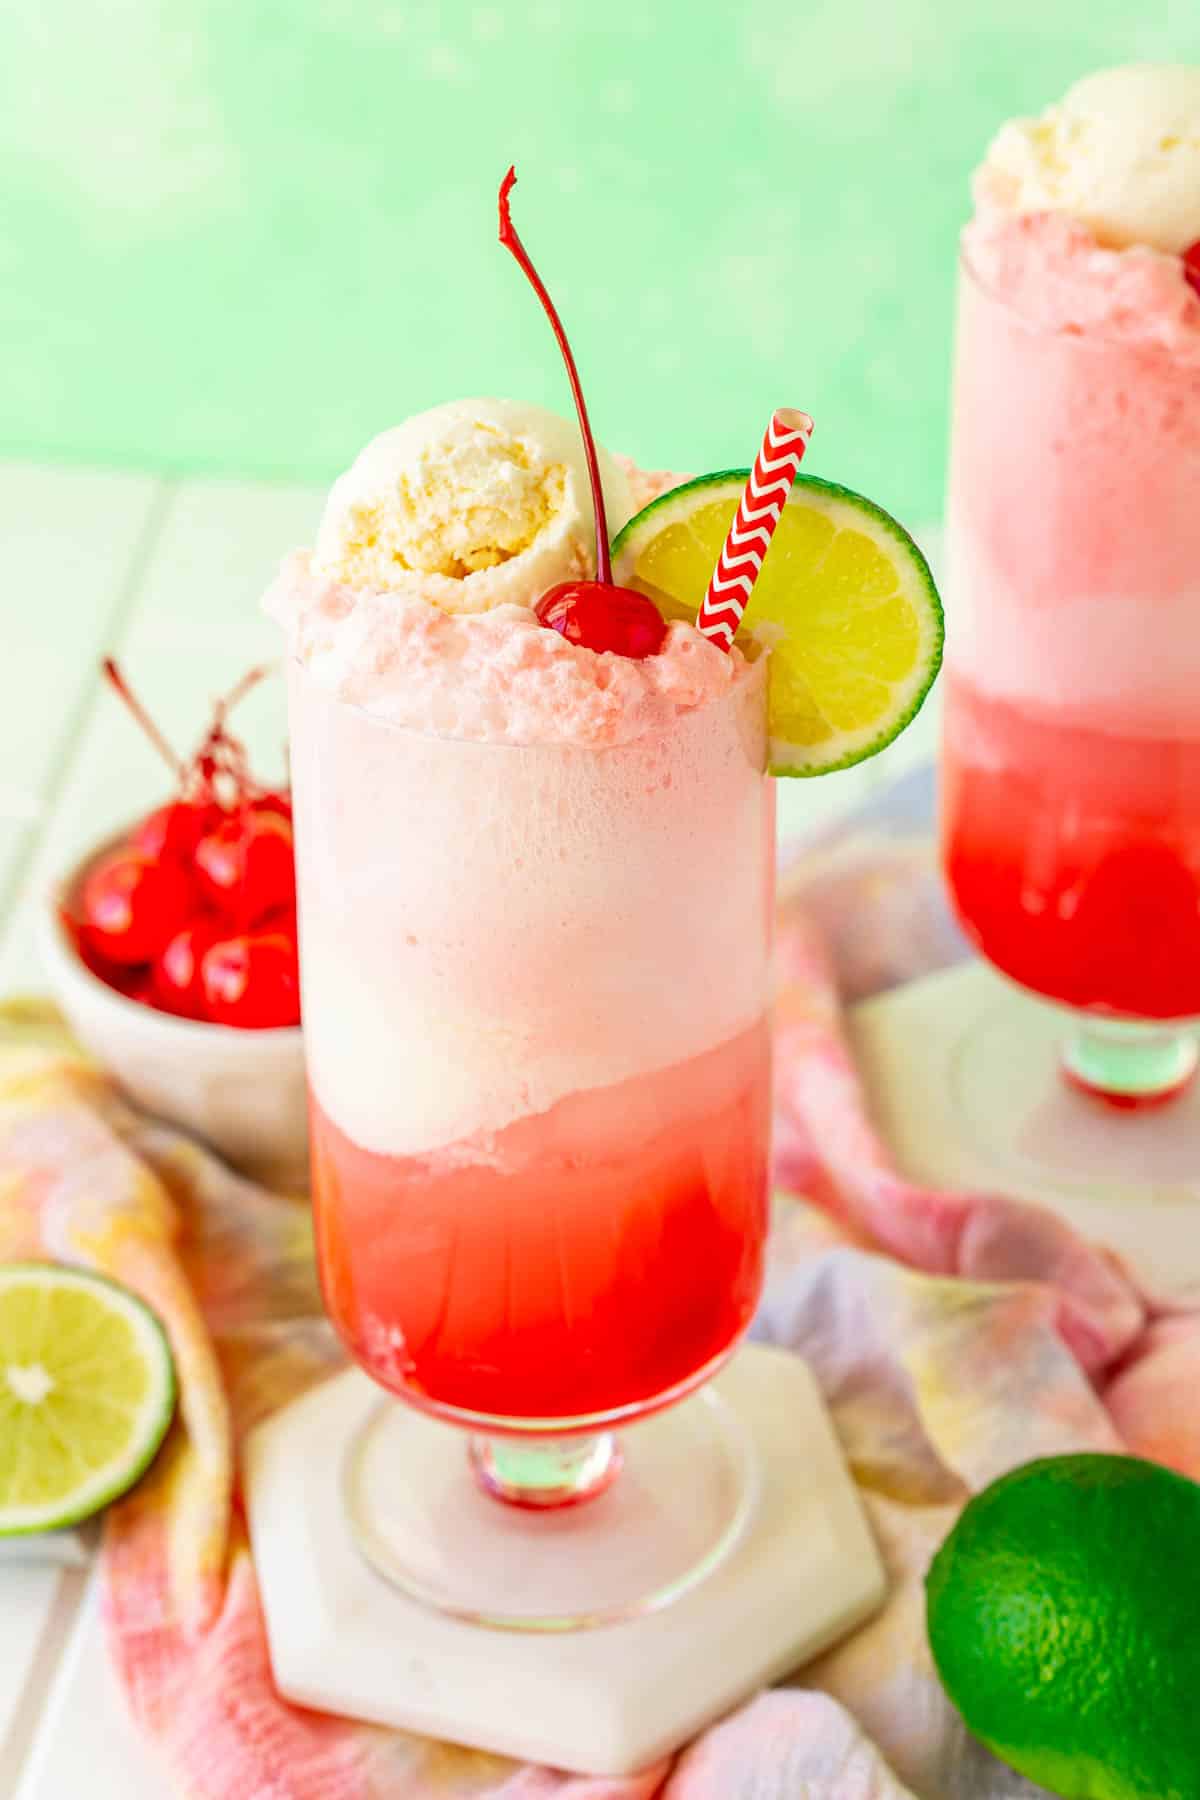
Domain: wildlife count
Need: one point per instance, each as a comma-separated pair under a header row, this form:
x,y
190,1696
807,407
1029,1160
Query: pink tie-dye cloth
x,y
954,1336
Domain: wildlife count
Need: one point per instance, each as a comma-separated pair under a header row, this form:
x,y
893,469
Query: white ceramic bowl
x,y
242,1092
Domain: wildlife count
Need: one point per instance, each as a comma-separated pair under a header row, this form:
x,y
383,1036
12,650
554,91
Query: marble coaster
x,y
602,1701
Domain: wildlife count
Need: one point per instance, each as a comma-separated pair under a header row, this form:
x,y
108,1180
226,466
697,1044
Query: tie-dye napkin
x,y
954,1336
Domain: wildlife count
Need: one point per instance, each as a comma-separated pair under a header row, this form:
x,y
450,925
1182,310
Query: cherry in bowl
x,y
132,905
245,865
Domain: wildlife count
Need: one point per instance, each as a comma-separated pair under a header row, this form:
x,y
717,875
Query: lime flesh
x,y
87,1390
844,601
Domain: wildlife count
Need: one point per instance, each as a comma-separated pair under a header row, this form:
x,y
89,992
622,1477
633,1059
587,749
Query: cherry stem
x,y
219,753
511,241
240,689
115,679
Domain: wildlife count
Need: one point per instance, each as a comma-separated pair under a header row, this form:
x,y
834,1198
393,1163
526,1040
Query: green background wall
x,y
243,237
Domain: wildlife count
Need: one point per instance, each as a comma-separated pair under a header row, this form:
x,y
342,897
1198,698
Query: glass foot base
x,y
1130,1066
658,1514
1086,1133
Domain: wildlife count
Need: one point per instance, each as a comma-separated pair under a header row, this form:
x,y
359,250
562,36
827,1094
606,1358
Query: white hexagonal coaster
x,y
605,1701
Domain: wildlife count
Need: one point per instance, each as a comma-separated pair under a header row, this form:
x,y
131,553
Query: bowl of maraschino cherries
x,y
172,949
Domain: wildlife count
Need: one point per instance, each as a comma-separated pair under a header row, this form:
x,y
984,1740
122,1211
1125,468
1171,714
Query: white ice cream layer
x,y
1129,664
487,928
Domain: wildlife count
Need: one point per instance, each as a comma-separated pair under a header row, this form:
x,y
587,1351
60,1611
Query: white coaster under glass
x,y
795,1567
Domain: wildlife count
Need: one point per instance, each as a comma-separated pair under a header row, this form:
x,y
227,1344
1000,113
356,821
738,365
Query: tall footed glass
x,y
1071,754
535,985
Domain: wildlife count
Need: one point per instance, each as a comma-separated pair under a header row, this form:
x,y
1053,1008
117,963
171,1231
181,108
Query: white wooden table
x,y
166,575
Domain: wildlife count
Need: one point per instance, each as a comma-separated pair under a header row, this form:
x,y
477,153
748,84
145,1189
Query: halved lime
x,y
845,601
87,1390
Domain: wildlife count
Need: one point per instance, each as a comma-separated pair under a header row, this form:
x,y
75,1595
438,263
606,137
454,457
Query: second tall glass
x,y
1071,773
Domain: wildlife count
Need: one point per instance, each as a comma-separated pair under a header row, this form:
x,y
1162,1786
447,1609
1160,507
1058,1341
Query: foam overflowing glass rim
x,y
1075,334
759,659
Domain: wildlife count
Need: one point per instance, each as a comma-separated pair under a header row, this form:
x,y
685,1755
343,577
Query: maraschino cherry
x,y
603,617
174,830
175,978
246,866
252,981
597,615
1191,265
133,905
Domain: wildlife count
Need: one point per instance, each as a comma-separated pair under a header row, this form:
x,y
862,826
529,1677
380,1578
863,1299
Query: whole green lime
x,y
1064,1619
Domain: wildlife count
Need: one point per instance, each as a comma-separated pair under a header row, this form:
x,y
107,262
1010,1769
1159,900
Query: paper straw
x,y
759,509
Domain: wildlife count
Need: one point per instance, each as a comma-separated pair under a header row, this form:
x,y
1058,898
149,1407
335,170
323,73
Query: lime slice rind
x,y
814,643
78,1485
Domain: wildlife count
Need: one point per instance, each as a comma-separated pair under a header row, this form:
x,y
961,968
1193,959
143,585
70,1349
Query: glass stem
x,y
1128,1063
545,1472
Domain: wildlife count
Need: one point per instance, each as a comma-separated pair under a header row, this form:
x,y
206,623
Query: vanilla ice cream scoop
x,y
469,506
1120,153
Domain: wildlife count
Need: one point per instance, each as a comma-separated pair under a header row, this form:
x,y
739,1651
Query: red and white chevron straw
x,y
754,522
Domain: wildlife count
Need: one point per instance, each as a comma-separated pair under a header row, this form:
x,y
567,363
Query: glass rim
x,y
1085,335
756,666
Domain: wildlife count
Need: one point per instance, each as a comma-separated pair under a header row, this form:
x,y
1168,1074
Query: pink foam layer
x,y
1051,270
498,676
1074,529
